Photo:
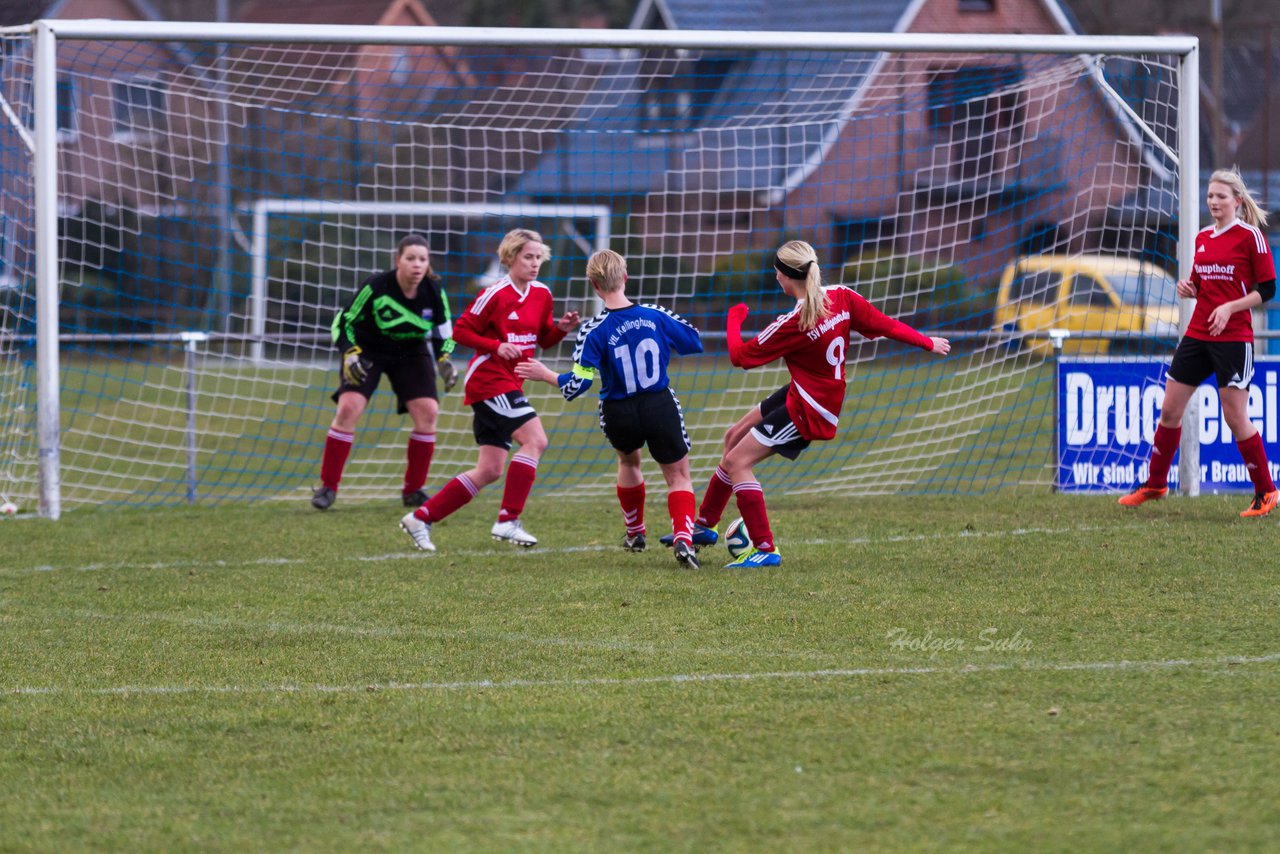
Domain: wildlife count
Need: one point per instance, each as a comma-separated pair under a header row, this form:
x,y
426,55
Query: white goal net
x,y
219,194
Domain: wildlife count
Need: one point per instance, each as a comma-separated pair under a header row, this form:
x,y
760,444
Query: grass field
x,y
1018,671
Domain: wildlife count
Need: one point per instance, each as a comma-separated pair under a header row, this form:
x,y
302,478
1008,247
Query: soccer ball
x,y
8,508
736,538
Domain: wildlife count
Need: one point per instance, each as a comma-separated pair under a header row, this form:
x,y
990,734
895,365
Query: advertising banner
x,y
1107,415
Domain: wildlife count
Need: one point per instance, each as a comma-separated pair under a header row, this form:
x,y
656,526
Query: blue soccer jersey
x,y
629,349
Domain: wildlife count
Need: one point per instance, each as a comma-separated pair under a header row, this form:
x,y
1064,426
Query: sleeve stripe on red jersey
x,y
1260,240
488,294
768,331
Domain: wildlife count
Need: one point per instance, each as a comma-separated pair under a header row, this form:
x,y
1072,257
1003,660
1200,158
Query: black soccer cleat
x,y
685,555
415,499
323,498
633,544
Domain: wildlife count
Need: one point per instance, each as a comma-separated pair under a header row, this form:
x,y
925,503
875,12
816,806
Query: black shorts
x,y
412,376
653,418
777,431
1231,362
499,417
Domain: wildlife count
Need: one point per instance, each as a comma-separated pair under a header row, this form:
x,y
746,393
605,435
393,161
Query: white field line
x,y
667,679
411,555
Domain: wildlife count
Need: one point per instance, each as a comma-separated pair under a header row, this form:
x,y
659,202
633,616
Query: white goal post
x,y
692,180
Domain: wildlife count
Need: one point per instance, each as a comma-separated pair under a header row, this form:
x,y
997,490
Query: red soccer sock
x,y
631,499
422,446
1255,460
1163,446
751,505
719,489
681,507
520,476
337,447
451,496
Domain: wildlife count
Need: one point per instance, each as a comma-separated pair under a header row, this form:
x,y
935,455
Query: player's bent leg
x,y
742,427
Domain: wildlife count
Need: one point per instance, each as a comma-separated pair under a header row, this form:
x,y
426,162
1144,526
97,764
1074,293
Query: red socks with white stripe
x,y
631,499
681,507
750,499
1163,445
521,472
337,447
719,489
453,495
1255,460
422,446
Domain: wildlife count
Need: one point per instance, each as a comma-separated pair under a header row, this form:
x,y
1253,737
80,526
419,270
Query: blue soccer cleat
x,y
702,536
755,558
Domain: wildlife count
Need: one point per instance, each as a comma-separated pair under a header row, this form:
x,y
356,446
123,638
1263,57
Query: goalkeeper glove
x,y
447,372
355,367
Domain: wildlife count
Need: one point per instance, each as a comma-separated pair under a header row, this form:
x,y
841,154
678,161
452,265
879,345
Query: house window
x,y
139,108
976,110
401,67
977,5
667,106
679,101
7,279
852,237
66,99
67,122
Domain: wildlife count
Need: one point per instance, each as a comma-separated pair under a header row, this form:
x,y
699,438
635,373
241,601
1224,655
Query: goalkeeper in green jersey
x,y
397,324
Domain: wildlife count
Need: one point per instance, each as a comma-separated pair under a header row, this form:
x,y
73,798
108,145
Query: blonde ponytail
x,y
796,256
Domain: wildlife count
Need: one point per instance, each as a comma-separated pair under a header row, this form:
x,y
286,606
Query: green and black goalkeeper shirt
x,y
383,321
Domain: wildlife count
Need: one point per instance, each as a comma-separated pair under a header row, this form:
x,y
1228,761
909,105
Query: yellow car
x,y
1132,303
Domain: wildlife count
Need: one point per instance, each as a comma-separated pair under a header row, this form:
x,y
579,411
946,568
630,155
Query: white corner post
x,y
48,272
1188,222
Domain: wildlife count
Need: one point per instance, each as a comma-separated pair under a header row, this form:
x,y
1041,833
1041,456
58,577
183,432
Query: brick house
x,y
160,142
936,176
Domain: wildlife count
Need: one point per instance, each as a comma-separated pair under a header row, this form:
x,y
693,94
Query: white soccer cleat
x,y
419,531
513,532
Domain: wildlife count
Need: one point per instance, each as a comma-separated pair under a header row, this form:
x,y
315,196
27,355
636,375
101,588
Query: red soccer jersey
x,y
816,358
501,314
1227,265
